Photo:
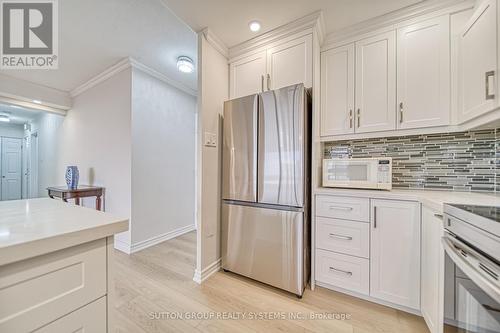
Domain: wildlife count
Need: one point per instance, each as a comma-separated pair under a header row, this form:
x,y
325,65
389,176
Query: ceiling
x,y
96,34
19,115
229,19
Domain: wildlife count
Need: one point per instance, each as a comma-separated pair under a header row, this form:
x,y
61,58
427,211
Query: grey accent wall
x,y
464,161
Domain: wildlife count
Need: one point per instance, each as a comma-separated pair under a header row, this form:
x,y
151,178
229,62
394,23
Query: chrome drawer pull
x,y
340,208
341,271
340,237
439,216
487,76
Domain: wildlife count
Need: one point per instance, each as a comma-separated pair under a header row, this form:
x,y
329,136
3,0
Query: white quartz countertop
x,y
34,227
431,199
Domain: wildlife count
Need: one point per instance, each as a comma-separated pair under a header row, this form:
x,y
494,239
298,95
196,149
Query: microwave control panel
x,y
384,171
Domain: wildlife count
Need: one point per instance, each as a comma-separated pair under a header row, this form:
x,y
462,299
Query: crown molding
x,y
215,41
19,101
313,21
395,17
101,77
162,77
123,65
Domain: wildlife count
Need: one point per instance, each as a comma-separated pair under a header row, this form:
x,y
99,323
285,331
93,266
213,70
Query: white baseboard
x,y
122,246
160,238
213,268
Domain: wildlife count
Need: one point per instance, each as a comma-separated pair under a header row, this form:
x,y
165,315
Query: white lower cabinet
x,y
395,252
432,279
380,259
90,318
344,271
347,237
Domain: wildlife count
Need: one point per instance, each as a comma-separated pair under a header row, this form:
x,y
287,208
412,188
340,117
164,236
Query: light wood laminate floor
x,y
158,280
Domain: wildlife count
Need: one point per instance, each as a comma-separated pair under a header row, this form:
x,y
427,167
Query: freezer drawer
x,y
267,245
239,153
282,146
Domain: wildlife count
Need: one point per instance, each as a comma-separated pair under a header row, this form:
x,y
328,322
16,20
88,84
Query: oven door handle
x,y
460,253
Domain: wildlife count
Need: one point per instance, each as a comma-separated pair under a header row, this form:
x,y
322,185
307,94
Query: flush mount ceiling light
x,y
254,26
4,117
36,101
185,64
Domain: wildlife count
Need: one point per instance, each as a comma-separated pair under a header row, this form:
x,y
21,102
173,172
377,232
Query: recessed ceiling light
x,y
254,26
185,64
4,117
36,101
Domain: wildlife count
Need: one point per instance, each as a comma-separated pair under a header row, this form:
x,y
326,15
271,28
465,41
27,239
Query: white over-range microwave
x,y
365,173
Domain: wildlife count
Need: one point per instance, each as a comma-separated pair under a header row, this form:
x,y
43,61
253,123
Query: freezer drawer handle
x,y
341,237
340,271
340,208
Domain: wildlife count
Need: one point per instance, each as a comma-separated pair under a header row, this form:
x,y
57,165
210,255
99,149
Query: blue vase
x,y
72,176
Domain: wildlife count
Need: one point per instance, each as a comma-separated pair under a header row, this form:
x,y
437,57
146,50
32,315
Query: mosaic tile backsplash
x,y
464,161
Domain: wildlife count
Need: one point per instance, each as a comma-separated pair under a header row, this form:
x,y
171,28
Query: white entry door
x,y
11,168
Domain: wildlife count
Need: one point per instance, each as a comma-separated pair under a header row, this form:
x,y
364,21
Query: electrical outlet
x,y
210,139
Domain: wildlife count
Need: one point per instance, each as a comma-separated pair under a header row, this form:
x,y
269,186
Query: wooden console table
x,y
83,191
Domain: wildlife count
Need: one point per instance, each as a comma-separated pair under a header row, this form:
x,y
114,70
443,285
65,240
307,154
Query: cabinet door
x,y
478,63
424,74
432,282
376,83
290,63
395,252
337,91
247,75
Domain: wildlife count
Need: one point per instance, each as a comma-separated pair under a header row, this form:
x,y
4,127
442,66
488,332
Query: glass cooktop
x,y
489,212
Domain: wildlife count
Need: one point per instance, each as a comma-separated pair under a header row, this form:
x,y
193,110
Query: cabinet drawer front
x,y
343,271
356,209
348,237
90,318
37,291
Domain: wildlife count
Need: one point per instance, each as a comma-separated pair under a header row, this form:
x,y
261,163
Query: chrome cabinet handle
x,y
439,216
374,217
400,112
359,117
340,208
268,82
341,237
340,271
350,118
487,76
262,83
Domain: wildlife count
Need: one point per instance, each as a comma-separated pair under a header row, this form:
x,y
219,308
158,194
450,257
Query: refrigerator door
x,y
239,152
264,244
282,146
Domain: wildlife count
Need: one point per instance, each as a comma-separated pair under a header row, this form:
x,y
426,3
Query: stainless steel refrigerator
x,y
265,187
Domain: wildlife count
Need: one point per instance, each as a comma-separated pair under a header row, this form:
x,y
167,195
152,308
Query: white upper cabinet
x,y
478,63
273,68
290,63
376,83
432,280
423,87
247,75
395,252
337,91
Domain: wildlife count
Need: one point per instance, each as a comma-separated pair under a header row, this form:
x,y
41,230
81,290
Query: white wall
x,y
213,81
11,130
163,158
96,136
48,126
